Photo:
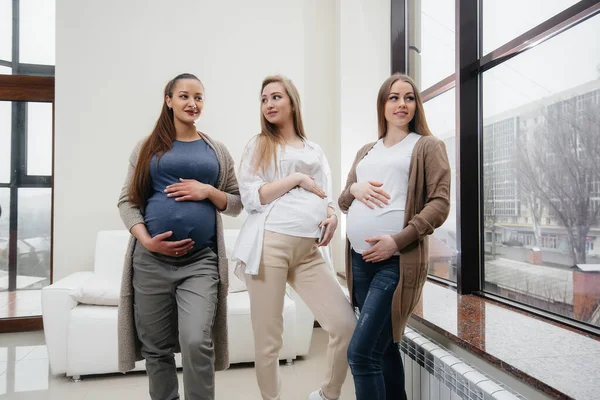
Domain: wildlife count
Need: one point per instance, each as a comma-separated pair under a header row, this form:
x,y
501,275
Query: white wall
x,y
320,101
364,42
364,65
113,59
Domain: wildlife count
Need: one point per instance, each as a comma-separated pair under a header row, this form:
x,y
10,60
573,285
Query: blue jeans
x,y
373,356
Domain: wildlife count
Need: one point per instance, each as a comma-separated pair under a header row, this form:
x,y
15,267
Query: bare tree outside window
x,y
558,165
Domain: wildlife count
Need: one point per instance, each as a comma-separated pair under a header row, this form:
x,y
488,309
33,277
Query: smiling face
x,y
276,105
400,105
186,100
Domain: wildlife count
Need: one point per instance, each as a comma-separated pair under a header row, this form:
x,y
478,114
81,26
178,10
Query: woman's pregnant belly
x,y
297,213
363,223
195,220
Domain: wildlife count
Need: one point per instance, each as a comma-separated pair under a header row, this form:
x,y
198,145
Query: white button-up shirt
x,y
248,247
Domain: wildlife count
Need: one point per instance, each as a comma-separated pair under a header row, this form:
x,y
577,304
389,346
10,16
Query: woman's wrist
x,y
141,234
212,194
331,213
296,179
351,189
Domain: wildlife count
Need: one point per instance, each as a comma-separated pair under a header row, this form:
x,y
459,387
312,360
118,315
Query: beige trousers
x,y
297,260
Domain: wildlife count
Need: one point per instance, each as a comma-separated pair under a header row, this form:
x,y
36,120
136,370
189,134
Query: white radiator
x,y
434,373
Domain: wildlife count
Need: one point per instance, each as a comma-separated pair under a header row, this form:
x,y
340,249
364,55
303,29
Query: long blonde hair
x,y
418,123
269,139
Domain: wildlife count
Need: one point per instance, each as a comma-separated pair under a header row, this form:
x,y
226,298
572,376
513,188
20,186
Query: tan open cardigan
x,y
129,345
427,207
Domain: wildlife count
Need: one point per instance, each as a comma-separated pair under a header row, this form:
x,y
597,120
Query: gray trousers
x,y
176,297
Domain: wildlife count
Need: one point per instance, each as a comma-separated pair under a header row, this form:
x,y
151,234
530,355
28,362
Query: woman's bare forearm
x,y
274,190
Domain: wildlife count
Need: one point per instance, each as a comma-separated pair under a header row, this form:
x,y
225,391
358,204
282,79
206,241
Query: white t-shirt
x,y
299,212
389,165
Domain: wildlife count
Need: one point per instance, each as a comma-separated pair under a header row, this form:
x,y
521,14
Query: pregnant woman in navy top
x,y
179,181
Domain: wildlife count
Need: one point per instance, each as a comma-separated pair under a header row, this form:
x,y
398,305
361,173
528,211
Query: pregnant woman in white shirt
x,y
285,184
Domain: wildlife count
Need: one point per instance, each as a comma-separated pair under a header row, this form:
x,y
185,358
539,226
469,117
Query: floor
x,y
24,374
20,303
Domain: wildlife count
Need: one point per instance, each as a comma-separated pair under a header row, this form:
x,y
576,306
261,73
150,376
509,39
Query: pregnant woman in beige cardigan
x,y
397,193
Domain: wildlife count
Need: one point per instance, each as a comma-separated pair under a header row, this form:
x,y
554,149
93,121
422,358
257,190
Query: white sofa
x,y
80,315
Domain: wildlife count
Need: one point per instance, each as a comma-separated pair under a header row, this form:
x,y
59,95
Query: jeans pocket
x,y
386,279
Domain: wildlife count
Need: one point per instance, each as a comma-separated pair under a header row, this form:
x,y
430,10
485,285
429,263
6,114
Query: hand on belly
x,y
370,193
382,248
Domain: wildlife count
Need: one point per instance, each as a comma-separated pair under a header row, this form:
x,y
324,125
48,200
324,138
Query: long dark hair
x,y
158,143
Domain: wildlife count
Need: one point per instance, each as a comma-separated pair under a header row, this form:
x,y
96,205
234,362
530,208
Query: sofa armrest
x,y
305,322
57,304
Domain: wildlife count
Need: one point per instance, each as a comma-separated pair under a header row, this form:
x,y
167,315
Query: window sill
x,y
556,360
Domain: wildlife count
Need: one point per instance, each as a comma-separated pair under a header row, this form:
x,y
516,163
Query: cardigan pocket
x,y
413,276
413,280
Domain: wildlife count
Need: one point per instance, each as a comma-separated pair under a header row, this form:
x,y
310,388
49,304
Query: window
x,y
5,140
36,32
504,20
435,41
4,231
5,36
28,194
526,117
27,37
39,139
33,236
556,145
26,137
440,113
431,64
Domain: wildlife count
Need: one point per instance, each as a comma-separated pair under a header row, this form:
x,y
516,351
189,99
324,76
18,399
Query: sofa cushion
x,y
98,290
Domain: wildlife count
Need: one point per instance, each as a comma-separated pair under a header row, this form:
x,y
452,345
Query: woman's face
x,y
401,105
276,105
187,100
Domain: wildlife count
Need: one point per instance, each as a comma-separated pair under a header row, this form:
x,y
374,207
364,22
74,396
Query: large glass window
x,y
39,139
36,32
504,20
5,140
33,246
529,139
541,175
432,40
6,36
441,117
27,193
27,36
4,231
437,40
